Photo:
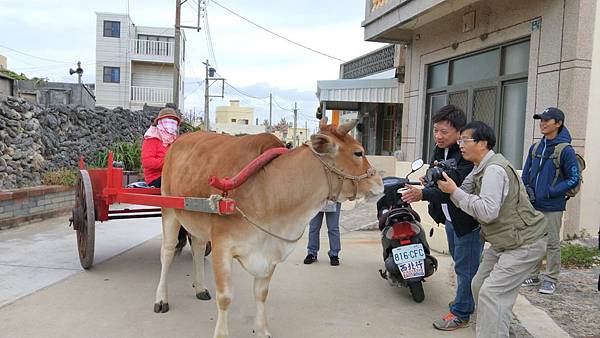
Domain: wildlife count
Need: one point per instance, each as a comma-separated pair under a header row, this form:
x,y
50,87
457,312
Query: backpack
x,y
556,160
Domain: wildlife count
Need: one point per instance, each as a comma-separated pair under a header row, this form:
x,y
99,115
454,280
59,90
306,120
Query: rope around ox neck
x,y
267,231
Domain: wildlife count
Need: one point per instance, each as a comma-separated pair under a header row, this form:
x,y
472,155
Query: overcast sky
x,y
254,61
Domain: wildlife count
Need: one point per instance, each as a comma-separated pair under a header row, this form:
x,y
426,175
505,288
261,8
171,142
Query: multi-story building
x,y
501,62
135,64
236,120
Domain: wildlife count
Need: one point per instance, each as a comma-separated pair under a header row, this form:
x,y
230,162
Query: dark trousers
x,y
466,253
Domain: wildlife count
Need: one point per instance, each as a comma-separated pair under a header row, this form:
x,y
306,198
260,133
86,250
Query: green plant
x,y
576,255
61,176
128,153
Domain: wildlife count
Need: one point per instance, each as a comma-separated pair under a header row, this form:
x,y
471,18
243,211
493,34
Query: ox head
x,y
345,160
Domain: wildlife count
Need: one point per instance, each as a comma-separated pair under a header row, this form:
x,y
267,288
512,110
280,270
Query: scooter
x,y
406,254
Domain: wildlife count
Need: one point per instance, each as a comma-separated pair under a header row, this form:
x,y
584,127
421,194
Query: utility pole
x,y
295,123
177,52
176,56
209,74
206,97
306,129
270,112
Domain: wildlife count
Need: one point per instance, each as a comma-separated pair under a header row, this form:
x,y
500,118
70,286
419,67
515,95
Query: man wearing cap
x,y
547,191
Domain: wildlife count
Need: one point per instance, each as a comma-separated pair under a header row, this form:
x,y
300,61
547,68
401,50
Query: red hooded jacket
x,y
153,158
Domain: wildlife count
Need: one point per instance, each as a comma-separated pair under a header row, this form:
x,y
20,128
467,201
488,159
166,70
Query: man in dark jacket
x,y
548,195
462,230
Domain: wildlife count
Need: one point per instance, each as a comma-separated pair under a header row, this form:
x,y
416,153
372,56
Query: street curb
x,y
536,321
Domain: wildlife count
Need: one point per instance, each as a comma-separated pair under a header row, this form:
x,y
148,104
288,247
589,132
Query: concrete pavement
x,y
40,254
115,298
45,293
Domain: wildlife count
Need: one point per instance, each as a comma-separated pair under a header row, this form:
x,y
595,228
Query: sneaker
x,y
547,287
334,260
310,259
531,281
450,323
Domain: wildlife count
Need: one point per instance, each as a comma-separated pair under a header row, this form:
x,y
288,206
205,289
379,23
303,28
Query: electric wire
x,y
276,34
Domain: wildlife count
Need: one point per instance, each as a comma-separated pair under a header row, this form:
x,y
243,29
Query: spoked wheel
x,y
84,219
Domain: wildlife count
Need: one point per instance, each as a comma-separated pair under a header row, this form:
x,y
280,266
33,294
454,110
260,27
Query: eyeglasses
x,y
462,141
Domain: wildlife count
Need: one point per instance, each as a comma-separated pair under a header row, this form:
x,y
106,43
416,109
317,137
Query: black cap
x,y
549,114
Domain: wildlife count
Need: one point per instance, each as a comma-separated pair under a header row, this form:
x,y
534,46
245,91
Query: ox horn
x,y
323,123
346,127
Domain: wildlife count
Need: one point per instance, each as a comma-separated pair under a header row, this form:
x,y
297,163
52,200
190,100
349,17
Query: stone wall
x,y
33,139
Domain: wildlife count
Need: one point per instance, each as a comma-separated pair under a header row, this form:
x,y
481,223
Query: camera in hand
x,y
434,173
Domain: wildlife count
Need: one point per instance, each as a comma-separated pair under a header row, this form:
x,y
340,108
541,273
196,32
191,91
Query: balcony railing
x,y
151,94
152,48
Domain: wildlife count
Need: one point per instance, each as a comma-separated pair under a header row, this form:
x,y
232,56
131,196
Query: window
x,y
112,74
112,29
489,86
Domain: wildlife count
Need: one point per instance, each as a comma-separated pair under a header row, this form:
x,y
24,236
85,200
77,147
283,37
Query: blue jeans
x,y
466,253
333,231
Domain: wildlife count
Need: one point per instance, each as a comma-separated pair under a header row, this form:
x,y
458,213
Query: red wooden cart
x,y
98,188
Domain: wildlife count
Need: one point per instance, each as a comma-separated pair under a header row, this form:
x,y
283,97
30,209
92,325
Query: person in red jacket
x,y
157,140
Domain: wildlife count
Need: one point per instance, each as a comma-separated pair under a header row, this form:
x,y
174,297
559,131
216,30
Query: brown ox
x,y
280,198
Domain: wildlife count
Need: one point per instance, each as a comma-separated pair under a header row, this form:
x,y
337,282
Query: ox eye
x,y
358,153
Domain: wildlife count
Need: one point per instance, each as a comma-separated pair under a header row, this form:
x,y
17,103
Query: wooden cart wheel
x,y
84,219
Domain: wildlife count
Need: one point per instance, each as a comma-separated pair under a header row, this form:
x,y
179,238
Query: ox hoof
x,y
267,336
204,295
161,307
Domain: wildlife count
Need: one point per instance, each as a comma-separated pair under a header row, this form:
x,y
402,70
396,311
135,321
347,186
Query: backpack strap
x,y
556,160
533,155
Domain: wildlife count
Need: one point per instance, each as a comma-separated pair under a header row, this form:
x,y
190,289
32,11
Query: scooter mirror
x,y
416,165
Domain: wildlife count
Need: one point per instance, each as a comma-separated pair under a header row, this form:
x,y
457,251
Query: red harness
x,y
226,184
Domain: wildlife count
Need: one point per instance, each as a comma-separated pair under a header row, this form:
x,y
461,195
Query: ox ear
x,y
346,127
323,144
323,123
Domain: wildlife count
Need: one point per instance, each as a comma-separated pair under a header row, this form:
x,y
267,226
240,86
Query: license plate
x,y
410,260
412,269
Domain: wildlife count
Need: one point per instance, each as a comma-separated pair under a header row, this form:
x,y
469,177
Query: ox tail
x,y
182,238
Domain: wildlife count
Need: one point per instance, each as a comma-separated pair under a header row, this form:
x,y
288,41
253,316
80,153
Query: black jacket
x,y
461,221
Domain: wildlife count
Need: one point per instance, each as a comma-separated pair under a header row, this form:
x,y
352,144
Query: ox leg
x,y
222,269
261,290
170,227
198,249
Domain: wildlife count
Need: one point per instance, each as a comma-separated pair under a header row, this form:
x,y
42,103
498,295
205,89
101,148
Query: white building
x,y
135,64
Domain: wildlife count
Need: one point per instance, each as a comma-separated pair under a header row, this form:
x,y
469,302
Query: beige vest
x,y
518,222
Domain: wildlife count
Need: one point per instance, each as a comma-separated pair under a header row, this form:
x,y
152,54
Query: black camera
x,y
434,173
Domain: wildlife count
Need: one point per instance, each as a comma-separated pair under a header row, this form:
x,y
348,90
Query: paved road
x,y
44,293
40,254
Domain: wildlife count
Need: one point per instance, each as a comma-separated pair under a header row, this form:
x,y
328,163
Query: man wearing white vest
x,y
494,194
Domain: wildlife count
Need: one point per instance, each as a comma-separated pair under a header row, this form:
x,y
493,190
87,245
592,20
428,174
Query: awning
x,y
348,94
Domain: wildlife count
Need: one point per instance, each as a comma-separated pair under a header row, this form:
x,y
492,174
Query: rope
x,y
267,231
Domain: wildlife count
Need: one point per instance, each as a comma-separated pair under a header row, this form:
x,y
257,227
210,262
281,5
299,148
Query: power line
x,y
200,85
278,105
244,93
278,35
36,57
